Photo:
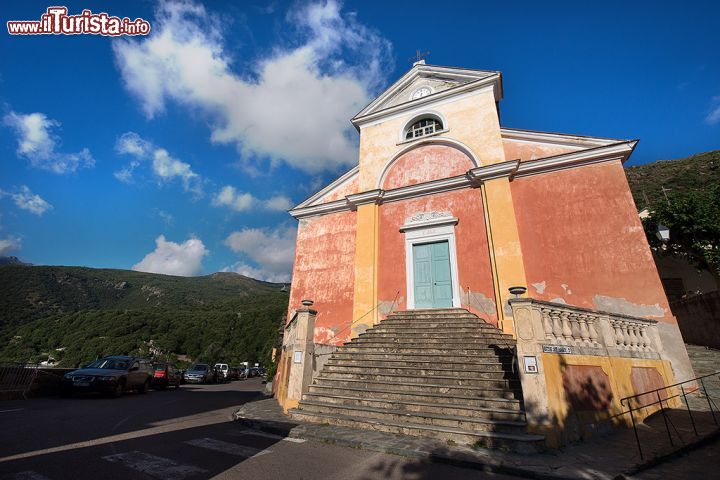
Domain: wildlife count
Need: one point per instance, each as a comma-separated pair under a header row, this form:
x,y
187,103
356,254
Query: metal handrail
x,y
660,400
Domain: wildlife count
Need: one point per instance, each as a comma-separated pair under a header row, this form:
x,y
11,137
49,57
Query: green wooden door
x,y
431,272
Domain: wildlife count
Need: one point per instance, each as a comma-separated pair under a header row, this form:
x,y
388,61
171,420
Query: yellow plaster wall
x,y
365,293
505,250
618,370
472,120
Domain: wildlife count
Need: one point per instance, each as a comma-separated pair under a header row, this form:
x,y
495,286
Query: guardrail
x,y
683,393
17,377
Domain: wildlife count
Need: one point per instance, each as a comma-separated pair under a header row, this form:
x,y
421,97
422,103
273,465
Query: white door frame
x,y
429,228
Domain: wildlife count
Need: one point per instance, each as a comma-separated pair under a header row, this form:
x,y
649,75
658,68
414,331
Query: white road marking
x,y
12,410
227,447
258,433
29,475
158,467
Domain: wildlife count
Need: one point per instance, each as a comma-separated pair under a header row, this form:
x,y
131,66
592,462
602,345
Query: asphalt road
x,y
177,435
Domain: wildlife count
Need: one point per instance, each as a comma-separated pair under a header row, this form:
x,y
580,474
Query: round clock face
x,y
421,92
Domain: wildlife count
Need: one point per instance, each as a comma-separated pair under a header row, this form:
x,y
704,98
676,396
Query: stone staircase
x,y
441,373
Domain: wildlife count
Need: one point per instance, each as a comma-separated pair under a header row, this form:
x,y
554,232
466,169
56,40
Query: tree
x,y
694,222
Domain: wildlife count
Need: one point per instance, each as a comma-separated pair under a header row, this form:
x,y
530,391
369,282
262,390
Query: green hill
x,y
694,173
75,314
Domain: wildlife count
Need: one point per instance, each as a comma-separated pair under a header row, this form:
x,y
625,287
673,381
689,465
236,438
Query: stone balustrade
x,y
584,331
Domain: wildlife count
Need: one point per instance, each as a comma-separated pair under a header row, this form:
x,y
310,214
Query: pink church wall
x,y
430,162
583,243
530,151
472,249
348,188
324,272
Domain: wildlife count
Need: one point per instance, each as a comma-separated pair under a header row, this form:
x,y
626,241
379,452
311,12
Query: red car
x,y
165,375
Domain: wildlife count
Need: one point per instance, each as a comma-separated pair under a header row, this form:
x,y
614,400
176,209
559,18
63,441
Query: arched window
x,y
424,126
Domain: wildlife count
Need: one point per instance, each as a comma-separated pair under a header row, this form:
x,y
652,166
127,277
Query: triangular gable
x,y
437,78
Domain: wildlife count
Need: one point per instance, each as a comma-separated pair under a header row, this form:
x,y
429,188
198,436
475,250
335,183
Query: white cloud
x,y
714,116
229,197
130,143
37,144
273,250
170,258
168,168
26,200
165,167
293,106
8,244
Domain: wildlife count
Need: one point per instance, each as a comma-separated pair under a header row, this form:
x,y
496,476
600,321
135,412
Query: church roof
x,y
435,81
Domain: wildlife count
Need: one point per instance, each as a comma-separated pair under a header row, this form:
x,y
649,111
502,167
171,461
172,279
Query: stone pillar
x,y
530,335
300,347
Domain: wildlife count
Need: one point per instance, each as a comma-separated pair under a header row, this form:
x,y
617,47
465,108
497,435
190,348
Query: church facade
x,y
448,209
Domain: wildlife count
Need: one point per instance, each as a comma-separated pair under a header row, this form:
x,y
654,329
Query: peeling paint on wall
x,y
386,307
478,301
540,287
328,336
558,300
625,307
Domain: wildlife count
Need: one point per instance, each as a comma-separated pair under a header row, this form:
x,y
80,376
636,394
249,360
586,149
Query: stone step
x,y
432,311
435,380
434,364
431,327
487,355
406,387
521,443
495,374
380,394
415,406
429,350
469,340
473,424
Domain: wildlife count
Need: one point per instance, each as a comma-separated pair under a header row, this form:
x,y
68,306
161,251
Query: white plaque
x,y
297,357
530,364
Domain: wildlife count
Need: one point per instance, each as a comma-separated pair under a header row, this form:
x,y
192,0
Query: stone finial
x,y
307,303
517,291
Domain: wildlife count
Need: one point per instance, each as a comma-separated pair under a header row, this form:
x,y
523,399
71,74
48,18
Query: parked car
x,y
165,375
112,375
223,367
199,373
233,373
218,375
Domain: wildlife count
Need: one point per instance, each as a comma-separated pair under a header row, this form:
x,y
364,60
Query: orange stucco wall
x,y
424,164
583,243
324,272
472,249
531,150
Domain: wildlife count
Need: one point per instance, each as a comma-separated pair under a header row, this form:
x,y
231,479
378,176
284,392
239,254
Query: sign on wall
x,y
297,357
530,363
556,349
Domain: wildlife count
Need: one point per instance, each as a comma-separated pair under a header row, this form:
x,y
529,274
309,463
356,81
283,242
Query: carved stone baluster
x,y
557,326
584,332
566,329
619,337
634,336
592,330
547,324
574,319
644,340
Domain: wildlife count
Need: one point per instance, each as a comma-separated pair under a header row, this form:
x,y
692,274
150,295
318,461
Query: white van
x,y
223,367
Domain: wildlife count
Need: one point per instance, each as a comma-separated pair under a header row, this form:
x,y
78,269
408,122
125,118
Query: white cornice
x,y
555,138
334,184
417,70
492,80
473,178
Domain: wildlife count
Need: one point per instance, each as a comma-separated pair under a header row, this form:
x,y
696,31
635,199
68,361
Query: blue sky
x,y
180,152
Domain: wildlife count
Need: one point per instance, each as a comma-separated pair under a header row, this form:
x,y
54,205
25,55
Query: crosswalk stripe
x,y
29,475
258,433
158,467
227,447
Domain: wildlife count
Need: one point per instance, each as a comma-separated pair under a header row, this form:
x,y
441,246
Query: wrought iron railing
x,y
694,385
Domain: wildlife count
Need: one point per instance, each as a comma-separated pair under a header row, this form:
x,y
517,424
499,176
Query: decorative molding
x,y
428,219
563,139
422,70
473,178
492,80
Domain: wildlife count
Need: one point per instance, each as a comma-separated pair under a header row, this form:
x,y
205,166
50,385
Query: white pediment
x,y
421,82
